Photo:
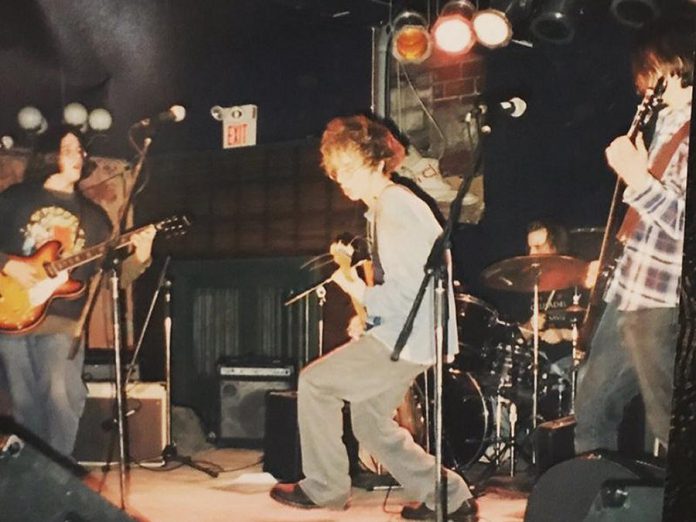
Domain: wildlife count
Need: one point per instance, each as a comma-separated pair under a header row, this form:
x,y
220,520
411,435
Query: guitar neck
x,y
91,253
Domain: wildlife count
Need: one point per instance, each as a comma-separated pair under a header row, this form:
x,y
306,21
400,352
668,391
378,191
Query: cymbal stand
x,y
577,355
535,365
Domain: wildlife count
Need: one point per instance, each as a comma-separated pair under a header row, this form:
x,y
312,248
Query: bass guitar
x,y
22,308
611,244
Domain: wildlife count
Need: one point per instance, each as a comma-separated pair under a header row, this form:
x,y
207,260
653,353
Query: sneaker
x,y
467,512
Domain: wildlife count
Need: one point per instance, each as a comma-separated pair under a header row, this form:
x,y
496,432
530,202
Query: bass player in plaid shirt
x,y
633,349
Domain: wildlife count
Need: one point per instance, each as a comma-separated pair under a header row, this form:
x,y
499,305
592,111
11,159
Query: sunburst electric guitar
x,y
22,308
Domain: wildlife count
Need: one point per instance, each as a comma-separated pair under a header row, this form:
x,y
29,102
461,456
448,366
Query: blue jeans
x,y
631,353
46,387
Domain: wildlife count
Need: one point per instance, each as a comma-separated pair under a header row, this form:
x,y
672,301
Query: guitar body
x,y
21,309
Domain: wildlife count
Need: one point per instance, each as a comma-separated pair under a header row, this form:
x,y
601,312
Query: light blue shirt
x,y
406,230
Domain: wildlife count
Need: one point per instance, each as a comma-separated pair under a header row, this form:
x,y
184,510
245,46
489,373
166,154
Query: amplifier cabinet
x,y
242,396
97,435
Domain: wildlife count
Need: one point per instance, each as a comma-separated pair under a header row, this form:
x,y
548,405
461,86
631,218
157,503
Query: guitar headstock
x,y
175,225
652,101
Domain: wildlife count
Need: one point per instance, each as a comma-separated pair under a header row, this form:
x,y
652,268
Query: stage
x,y
240,493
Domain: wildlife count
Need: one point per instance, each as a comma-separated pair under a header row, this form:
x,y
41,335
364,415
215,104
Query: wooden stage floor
x,y
240,493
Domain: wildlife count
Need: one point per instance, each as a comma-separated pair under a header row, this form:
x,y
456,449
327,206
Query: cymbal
x,y
519,274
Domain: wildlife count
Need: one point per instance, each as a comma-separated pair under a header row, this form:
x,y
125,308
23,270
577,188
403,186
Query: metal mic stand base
x,y
170,454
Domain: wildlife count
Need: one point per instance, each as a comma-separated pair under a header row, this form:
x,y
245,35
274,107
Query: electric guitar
x,y
22,308
612,247
343,253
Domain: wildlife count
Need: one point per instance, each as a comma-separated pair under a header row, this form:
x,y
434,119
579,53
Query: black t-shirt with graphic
x,y
31,215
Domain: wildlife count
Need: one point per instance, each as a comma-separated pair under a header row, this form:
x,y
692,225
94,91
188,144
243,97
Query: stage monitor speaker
x,y
242,394
97,434
598,486
39,485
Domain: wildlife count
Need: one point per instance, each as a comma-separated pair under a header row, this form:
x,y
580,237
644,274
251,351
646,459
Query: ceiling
x,y
300,61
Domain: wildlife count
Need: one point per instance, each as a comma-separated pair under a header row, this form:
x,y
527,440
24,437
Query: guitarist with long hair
x,y
44,373
634,346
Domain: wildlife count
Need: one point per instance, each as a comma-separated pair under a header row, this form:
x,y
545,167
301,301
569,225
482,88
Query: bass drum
x,y
466,417
411,416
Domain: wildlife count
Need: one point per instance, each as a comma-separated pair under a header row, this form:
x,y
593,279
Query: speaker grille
x,y
243,409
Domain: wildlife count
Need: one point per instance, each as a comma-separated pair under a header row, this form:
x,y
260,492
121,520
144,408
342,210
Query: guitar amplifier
x,y
145,410
242,395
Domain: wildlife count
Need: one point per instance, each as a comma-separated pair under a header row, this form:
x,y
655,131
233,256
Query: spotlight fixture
x,y
6,142
75,114
453,31
411,42
555,21
635,13
31,120
217,112
100,120
494,26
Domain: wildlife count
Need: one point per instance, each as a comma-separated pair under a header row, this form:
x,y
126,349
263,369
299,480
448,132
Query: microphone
x,y
174,114
514,107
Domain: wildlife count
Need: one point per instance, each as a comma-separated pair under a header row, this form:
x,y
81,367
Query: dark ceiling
x,y
300,61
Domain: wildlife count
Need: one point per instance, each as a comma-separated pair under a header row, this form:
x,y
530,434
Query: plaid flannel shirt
x,y
648,272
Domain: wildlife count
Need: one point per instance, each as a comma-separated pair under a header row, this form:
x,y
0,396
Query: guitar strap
x,y
657,170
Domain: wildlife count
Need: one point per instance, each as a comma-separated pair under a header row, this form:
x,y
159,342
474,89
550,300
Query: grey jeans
x,y
46,387
362,373
632,352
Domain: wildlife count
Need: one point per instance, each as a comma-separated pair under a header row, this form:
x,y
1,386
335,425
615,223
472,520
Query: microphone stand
x,y
170,453
436,268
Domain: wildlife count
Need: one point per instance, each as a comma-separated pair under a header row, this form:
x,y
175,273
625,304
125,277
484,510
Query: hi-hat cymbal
x,y
551,271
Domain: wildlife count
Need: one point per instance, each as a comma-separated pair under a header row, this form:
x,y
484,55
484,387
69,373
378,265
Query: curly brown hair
x,y
366,136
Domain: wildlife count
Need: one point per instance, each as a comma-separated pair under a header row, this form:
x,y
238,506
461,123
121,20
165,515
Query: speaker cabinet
x,y
97,435
598,486
242,393
554,442
39,485
282,457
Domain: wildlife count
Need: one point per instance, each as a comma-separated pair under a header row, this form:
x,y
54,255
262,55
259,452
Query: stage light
x,y
411,42
555,21
494,26
100,120
635,13
6,142
75,114
217,112
453,32
31,120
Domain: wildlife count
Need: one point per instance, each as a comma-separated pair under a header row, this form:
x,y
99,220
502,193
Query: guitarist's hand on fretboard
x,y
347,276
630,161
142,243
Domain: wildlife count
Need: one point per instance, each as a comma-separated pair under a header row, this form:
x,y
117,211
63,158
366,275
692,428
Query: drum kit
x,y
501,384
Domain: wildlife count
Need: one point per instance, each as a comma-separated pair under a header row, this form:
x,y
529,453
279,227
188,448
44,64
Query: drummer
x,y
555,319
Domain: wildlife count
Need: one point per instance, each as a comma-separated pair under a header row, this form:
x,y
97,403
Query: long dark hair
x,y
43,162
